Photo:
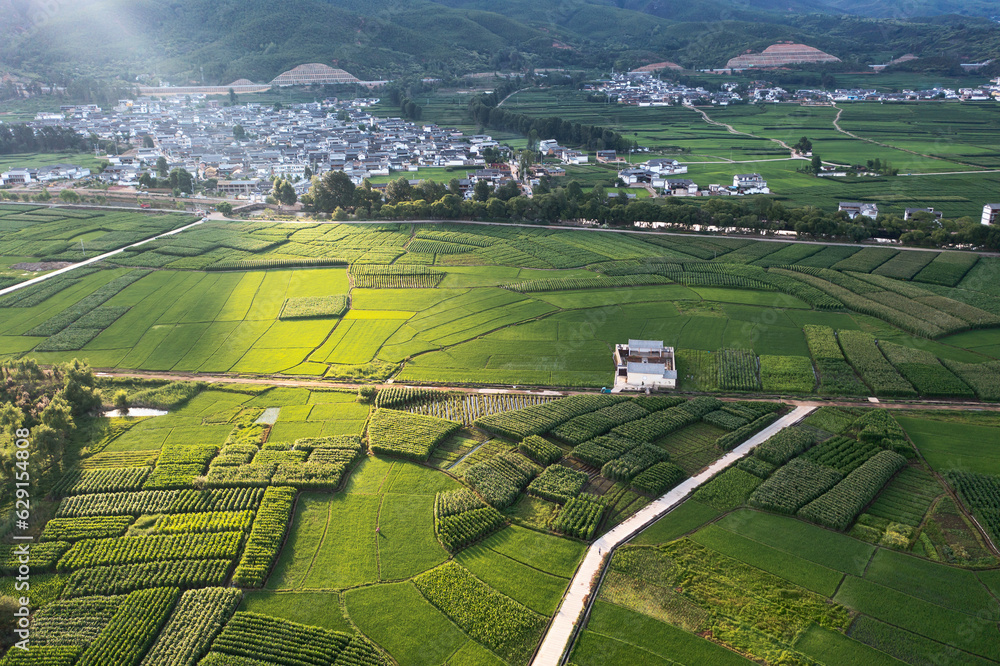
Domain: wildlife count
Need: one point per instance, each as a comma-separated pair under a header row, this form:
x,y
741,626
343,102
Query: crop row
x,y
658,479
500,479
572,284
588,426
794,485
981,493
843,454
725,420
731,440
537,419
73,621
580,517
136,549
839,507
861,350
404,396
468,408
738,370
836,377
984,378
173,476
557,484
259,637
505,626
88,527
43,556
541,450
925,372
458,530
265,264
197,619
200,523
601,450
70,315
118,579
659,424
785,445
265,538
160,501
634,461
83,481
314,307
407,435
198,454
373,276
132,629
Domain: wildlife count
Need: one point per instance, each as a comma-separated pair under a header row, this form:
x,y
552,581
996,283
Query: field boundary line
x,y
836,126
579,597
99,258
322,539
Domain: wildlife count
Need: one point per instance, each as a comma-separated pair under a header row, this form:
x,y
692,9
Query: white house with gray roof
x,y
644,364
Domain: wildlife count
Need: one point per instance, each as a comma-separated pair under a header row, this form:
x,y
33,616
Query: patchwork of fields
x,y
913,581
917,138
479,304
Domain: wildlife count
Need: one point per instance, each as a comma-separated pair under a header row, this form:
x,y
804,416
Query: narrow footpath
x,y
579,594
61,271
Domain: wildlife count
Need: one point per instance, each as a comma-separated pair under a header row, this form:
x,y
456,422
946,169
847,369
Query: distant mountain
x,y
219,41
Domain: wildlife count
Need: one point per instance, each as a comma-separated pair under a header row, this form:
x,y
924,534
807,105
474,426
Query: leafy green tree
x,y
225,208
455,187
233,99
146,180
398,190
69,196
331,191
161,166
803,146
817,164
121,402
181,179
481,191
285,193
239,133
147,142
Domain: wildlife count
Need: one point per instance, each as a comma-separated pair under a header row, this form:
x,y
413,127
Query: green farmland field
x,y
531,307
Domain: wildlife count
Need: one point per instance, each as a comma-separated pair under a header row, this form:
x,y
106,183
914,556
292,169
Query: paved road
x,y
61,271
581,588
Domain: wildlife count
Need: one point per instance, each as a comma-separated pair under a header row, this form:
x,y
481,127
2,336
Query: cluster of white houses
x,y
45,174
991,212
656,174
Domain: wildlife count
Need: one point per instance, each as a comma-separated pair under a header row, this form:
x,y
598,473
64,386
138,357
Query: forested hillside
x,y
224,40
